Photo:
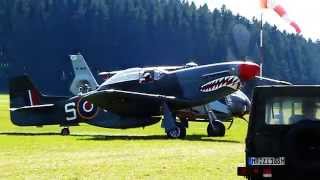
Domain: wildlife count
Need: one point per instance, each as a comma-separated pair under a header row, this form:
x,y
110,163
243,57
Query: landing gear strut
x,y
65,131
215,127
172,128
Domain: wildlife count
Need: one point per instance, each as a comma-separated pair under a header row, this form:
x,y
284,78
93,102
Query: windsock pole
x,y
261,44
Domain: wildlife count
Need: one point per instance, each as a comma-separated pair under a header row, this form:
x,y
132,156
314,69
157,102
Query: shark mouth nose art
x,y
228,81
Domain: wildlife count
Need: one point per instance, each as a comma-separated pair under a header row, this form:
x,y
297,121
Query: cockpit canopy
x,y
143,75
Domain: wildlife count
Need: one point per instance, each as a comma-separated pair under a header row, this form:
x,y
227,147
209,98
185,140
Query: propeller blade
x,y
273,80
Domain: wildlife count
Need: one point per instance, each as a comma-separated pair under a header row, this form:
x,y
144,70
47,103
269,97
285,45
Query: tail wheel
x,y
178,132
65,132
218,129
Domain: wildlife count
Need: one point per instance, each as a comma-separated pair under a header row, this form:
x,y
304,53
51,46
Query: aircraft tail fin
x,y
83,75
23,92
29,107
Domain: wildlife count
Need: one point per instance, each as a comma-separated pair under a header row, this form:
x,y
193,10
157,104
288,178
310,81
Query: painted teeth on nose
x,y
226,83
229,81
233,86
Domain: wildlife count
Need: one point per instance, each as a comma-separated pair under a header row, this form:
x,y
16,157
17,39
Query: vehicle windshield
x,y
290,110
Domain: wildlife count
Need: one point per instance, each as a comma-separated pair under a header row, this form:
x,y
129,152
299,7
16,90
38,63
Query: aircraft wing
x,y
108,98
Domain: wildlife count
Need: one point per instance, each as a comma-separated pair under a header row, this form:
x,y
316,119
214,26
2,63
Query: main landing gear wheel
x,y
65,132
178,132
218,129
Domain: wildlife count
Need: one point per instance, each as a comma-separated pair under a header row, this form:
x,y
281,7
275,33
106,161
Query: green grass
x,y
98,153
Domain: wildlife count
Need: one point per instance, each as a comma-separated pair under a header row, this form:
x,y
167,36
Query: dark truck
x,y
283,138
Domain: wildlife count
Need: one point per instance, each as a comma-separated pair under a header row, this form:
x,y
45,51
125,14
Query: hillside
x,y
38,35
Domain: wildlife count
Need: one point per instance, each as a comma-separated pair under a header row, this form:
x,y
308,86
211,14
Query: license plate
x,y
271,161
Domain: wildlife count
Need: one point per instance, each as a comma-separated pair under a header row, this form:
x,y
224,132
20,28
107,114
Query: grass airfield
x,y
97,153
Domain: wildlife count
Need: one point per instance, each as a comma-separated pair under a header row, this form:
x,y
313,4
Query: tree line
x,y
36,37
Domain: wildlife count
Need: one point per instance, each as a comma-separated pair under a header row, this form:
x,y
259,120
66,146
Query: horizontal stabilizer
x,y
34,108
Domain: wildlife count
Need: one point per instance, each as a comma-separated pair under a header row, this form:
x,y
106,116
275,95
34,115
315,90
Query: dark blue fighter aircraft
x,y
225,109
135,97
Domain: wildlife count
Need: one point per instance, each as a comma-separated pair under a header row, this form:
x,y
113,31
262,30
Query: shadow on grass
x,y
92,137
29,134
157,137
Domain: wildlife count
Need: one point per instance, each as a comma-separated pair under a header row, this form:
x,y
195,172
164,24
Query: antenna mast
x,y
261,43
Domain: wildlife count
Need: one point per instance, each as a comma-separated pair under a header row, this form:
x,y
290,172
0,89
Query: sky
x,y
304,13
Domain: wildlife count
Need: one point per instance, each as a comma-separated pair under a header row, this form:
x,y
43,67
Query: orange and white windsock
x,y
280,11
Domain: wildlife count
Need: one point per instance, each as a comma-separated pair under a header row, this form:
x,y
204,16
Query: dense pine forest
x,y
36,37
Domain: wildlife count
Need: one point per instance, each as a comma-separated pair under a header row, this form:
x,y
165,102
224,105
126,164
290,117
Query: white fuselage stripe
x,y
30,97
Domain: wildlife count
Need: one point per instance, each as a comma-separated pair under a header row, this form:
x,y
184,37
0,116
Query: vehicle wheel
x,y
218,129
65,132
178,132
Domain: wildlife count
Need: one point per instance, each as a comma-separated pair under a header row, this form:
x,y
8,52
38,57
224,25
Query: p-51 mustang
x,y
134,97
236,104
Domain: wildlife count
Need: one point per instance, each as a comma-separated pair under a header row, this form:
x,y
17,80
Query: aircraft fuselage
x,y
195,86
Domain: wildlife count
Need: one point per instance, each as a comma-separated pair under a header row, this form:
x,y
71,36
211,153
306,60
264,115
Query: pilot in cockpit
x,y
146,77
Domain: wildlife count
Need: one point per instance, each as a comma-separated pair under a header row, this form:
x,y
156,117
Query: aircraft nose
x,y
248,70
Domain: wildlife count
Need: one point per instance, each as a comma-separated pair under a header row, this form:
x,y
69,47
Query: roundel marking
x,y
87,107
87,110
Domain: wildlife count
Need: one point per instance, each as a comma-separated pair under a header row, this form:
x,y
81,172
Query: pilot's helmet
x,y
147,75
